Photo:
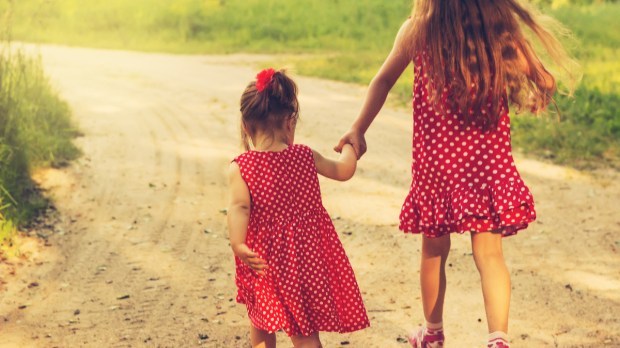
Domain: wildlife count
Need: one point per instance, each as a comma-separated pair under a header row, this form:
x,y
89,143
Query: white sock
x,y
434,326
498,334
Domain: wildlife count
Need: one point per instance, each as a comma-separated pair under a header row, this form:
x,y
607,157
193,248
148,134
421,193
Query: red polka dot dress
x,y
309,285
463,179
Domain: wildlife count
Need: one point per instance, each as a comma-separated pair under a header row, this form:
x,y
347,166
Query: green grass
x,y
589,130
217,26
344,40
35,131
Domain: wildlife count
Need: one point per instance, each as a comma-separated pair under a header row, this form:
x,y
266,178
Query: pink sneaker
x,y
498,343
426,338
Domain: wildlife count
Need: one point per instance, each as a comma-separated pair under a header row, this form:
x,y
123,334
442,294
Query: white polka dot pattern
x,y
310,285
463,179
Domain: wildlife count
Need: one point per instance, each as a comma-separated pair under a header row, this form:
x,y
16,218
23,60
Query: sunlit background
x,y
342,40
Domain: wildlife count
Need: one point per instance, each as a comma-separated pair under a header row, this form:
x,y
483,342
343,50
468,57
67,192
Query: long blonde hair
x,y
474,47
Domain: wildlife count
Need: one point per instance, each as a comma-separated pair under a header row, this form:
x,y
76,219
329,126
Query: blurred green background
x,y
344,40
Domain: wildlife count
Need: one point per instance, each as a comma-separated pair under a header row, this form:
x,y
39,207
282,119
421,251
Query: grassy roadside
x,y
344,40
589,131
35,131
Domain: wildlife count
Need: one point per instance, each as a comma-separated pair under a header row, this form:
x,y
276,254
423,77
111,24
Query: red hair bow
x,y
263,79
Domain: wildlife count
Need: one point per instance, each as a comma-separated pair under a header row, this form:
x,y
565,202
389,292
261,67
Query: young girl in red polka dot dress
x,y
292,272
470,59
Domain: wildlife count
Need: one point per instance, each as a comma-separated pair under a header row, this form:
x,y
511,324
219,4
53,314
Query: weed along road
x,y
143,259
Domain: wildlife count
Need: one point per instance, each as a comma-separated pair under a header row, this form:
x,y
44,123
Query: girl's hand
x,y
341,169
250,258
356,139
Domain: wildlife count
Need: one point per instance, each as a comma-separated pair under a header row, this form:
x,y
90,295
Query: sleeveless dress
x,y
309,285
463,179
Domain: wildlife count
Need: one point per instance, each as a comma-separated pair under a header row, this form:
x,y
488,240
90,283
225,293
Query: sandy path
x,y
143,258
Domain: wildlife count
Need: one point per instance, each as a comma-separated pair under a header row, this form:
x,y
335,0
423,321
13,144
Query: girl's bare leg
x,y
433,276
311,341
494,276
261,338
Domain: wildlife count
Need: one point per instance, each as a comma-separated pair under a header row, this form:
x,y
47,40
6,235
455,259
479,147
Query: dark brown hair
x,y
476,49
268,109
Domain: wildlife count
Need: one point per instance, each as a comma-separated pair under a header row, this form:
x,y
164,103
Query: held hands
x,y
356,139
250,258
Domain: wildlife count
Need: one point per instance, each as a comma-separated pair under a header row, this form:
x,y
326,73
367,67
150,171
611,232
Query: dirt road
x,y
141,257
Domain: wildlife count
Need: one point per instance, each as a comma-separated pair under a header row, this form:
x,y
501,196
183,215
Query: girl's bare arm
x,y
381,84
341,169
238,218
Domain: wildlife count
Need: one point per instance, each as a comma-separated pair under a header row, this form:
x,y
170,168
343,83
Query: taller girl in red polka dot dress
x,y
292,272
470,60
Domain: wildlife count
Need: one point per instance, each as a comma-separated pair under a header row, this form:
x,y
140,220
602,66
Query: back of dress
x,y
282,184
463,178
309,285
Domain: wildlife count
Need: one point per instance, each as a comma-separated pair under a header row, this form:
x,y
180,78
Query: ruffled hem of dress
x,y
243,297
248,293
506,209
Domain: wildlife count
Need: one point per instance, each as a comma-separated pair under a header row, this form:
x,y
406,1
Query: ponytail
x,y
266,103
